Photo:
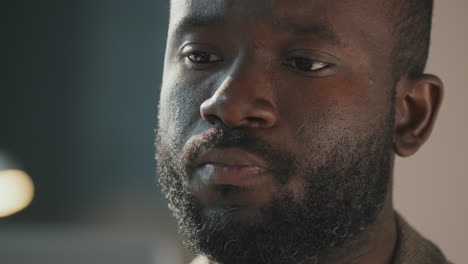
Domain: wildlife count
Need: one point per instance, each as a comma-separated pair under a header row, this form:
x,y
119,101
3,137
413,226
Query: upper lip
x,y
231,157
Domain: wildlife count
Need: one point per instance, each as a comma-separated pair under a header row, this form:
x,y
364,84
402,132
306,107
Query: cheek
x,y
179,108
334,114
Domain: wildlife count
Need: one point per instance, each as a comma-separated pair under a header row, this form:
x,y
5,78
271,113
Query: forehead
x,y
182,8
274,10
360,20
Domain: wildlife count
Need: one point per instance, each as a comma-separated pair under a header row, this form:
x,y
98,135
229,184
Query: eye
x,y
200,57
307,65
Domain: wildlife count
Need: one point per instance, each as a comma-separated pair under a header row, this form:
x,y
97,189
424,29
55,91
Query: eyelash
x,y
297,63
306,65
212,58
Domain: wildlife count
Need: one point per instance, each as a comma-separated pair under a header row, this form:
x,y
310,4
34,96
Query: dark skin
x,y
297,74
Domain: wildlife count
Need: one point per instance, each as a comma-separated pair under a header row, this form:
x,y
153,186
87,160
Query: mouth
x,y
231,157
230,166
236,175
231,177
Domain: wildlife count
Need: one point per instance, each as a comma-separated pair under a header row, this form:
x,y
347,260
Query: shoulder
x,y
412,247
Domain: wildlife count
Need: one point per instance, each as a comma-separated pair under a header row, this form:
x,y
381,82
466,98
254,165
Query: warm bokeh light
x,y
16,191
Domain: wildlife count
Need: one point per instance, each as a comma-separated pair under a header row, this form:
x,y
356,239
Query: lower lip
x,y
219,185
220,174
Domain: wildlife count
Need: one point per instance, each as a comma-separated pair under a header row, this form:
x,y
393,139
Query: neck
x,y
375,245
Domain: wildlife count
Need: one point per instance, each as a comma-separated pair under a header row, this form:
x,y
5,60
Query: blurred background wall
x,y
78,113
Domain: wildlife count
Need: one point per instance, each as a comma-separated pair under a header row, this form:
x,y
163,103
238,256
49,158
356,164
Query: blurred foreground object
x,y
58,244
16,187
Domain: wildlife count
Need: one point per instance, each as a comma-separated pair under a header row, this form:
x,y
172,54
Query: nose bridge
x,y
244,95
247,80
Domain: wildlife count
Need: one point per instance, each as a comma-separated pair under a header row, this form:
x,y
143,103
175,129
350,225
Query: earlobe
x,y
417,103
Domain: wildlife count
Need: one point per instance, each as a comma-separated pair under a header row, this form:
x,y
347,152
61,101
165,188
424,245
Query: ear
x,y
417,103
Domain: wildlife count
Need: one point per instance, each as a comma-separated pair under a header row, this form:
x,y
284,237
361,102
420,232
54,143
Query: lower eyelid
x,y
323,72
323,65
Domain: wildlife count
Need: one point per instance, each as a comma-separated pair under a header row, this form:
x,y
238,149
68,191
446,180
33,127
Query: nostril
x,y
213,119
256,120
234,113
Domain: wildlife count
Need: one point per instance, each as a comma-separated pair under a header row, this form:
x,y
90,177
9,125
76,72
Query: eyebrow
x,y
322,30
191,22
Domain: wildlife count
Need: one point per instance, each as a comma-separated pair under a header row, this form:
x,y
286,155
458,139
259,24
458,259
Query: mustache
x,y
280,162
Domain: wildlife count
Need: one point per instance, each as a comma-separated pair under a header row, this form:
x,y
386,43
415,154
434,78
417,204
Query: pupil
x,y
200,57
303,64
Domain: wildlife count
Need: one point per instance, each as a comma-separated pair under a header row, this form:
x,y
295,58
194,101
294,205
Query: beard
x,y
342,198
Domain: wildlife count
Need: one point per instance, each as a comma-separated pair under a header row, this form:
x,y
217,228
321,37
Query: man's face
x,y
275,125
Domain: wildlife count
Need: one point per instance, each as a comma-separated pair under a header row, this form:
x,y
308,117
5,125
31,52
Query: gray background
x,y
78,109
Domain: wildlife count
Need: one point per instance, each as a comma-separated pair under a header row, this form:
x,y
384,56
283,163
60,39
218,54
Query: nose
x,y
241,102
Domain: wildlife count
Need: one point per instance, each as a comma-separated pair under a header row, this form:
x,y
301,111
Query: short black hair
x,y
412,30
